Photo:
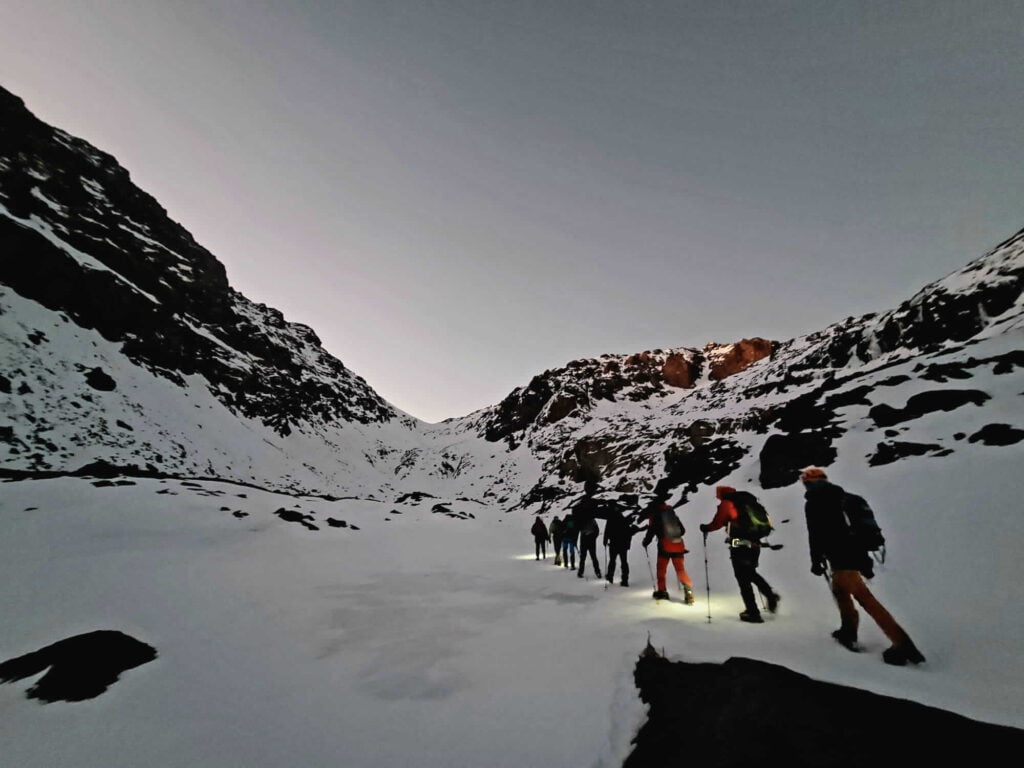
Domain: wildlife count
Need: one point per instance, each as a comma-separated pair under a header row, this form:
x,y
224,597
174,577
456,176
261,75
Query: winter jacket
x,y
619,532
828,533
585,509
555,529
570,531
726,511
589,530
539,531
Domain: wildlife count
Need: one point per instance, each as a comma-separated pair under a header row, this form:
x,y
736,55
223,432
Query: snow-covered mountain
x,y
325,580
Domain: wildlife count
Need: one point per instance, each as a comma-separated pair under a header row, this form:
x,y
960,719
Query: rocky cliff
x,y
122,341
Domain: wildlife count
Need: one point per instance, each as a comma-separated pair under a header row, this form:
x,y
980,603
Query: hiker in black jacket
x,y
585,513
540,538
555,529
833,546
618,535
570,532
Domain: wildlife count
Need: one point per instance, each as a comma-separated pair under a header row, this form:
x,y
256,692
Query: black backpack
x,y
753,522
863,527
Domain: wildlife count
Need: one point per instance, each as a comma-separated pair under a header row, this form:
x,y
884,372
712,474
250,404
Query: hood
x,y
722,491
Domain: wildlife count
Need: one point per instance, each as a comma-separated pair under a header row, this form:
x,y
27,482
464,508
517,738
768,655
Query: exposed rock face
x,y
80,238
730,715
680,371
733,358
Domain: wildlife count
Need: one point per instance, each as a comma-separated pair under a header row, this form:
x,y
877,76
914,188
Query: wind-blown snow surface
x,y
428,639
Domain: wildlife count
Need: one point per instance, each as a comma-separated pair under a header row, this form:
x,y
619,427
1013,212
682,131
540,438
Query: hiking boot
x,y
579,574
624,583
847,639
899,655
751,617
660,594
597,574
558,561
773,602
688,595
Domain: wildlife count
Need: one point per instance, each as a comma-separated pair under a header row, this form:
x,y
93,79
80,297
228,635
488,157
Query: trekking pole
x,y
650,570
707,581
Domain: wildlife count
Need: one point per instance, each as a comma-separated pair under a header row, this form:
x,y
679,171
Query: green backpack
x,y
753,522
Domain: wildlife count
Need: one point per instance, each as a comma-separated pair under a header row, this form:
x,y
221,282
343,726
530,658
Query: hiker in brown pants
x,y
831,542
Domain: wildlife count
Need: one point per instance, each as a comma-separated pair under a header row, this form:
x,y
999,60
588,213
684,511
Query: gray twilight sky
x,y
459,194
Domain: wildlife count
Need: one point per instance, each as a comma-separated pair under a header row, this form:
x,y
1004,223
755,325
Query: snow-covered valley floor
x,y
433,641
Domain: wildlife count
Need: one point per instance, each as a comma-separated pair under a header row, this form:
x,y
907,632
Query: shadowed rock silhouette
x,y
746,712
80,667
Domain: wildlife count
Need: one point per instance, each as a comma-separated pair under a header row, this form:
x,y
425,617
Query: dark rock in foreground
x,y
746,712
80,667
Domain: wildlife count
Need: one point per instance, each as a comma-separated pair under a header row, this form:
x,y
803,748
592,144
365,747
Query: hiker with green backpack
x,y
746,523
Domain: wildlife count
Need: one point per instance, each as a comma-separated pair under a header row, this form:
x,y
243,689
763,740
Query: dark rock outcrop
x,y
783,456
926,402
80,667
997,434
746,712
887,453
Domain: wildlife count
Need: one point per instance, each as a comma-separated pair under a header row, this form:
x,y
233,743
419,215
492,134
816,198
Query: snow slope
x,y
427,639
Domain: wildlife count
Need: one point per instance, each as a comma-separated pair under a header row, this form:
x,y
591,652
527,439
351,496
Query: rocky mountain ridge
x,y
84,241
121,341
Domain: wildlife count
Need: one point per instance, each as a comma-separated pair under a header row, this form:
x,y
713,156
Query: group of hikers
x,y
841,531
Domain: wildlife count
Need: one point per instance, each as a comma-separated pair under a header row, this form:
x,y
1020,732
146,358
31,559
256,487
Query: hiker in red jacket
x,y
744,551
666,526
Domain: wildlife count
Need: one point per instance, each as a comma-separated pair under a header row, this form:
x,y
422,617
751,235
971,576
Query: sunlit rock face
x,y
732,358
682,418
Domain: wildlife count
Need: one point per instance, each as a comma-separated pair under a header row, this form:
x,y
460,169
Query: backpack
x,y
671,526
753,521
863,526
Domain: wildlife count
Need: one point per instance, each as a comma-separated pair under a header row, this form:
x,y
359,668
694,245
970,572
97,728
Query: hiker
x,y
555,529
584,512
588,546
540,538
666,526
744,549
833,547
618,535
569,534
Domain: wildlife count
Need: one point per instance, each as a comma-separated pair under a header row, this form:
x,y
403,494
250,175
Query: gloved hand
x,y
817,569
704,528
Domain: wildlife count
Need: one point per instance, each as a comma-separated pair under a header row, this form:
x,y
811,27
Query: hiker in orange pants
x,y
834,546
666,526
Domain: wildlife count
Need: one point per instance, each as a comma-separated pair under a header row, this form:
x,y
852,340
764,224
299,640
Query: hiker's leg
x,y
758,580
744,571
843,585
681,574
876,610
662,567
